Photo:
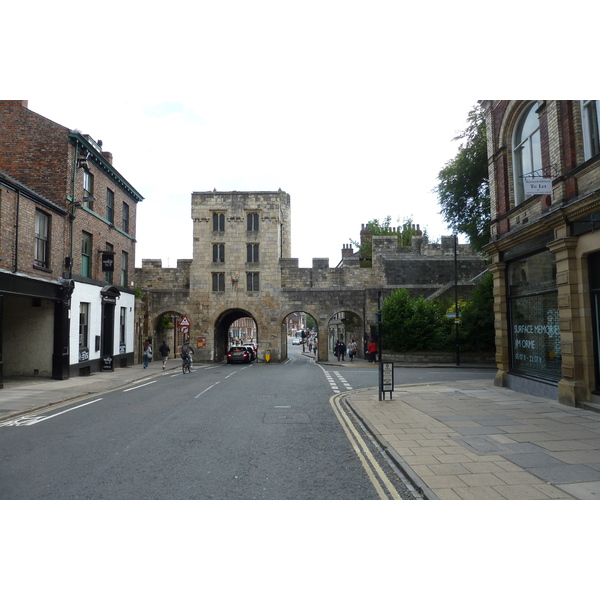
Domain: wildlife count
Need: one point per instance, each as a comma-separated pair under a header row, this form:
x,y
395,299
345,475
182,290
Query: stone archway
x,y
312,324
221,330
165,329
347,325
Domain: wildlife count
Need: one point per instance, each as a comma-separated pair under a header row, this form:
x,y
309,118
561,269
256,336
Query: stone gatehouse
x,y
242,267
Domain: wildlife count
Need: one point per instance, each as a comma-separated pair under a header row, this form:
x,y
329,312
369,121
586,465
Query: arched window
x,y
590,110
527,151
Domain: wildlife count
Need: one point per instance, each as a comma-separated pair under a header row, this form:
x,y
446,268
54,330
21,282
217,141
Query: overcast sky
x,y
350,107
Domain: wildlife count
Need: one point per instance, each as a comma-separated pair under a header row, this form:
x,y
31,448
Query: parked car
x,y
296,342
238,354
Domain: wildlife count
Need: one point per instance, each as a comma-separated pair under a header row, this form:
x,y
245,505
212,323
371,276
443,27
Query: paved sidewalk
x,y
25,394
471,440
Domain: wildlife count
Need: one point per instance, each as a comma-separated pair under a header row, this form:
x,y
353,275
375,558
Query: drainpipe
x,y
72,210
16,248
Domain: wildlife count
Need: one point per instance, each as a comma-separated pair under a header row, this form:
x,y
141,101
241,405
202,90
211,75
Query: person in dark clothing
x,y
164,353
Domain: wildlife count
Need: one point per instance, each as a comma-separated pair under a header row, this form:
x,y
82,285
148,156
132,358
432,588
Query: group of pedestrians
x,y
164,351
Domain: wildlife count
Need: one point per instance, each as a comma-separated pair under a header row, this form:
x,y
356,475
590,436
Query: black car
x,y
238,354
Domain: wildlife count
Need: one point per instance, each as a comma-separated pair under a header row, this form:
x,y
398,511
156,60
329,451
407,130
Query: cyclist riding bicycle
x,y
186,351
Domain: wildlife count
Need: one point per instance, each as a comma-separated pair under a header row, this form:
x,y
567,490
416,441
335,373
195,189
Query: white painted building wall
x,y
88,293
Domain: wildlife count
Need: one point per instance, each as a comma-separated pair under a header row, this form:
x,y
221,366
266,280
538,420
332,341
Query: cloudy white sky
x,y
350,107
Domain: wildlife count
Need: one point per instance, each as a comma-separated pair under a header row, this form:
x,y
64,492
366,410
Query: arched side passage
x,y
347,325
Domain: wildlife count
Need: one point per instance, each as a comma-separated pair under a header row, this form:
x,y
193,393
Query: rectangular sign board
x,y
388,377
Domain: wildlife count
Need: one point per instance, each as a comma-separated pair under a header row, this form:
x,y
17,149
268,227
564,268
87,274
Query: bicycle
x,y
186,363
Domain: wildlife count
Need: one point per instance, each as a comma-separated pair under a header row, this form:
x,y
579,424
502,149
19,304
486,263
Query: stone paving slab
x,y
490,443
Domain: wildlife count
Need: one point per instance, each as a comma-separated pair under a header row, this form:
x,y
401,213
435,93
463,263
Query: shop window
x,y
533,316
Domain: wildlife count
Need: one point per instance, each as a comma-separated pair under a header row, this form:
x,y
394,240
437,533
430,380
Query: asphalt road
x,y
220,432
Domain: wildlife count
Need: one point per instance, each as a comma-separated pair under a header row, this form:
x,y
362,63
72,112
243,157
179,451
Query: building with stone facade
x,y
67,226
242,268
544,167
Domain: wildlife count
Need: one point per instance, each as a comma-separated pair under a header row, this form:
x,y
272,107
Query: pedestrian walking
x,y
372,351
147,354
352,350
341,350
164,353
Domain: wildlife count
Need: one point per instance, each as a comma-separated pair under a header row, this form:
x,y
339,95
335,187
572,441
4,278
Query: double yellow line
x,y
373,469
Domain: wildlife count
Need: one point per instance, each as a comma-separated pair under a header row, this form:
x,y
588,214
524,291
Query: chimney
x,y
108,157
347,251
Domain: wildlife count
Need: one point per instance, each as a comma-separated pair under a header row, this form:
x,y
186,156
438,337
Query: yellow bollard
x,y
267,355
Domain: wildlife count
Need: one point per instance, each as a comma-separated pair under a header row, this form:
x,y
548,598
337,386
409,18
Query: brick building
x,y
544,165
76,232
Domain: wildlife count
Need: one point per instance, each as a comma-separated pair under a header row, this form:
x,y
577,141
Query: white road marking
x,y
26,421
137,387
208,388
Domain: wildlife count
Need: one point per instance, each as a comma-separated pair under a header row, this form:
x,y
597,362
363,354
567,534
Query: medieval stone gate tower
x,y
239,239
242,267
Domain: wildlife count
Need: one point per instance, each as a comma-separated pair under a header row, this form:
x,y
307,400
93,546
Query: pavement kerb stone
x,y
408,472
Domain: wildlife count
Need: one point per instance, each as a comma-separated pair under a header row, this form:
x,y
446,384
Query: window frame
x,y
125,217
42,242
252,253
253,281
524,145
252,222
87,241
590,122
218,221
218,253
124,268
88,187
218,281
84,325
110,206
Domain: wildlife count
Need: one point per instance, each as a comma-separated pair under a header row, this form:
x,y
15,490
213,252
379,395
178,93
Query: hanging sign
x,y
537,185
108,261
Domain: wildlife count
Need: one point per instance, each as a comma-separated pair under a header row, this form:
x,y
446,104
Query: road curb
x,y
415,480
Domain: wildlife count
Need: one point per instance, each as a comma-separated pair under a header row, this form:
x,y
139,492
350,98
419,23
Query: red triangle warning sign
x,y
184,322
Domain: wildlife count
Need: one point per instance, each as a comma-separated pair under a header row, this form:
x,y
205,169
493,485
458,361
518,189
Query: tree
x,y
463,190
403,233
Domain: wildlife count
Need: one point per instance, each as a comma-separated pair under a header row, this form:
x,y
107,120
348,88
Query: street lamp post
x,y
456,317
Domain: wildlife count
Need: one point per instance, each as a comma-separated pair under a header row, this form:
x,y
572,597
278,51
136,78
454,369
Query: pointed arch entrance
x,y
222,327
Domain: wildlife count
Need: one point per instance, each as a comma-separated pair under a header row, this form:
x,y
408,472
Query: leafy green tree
x,y
477,331
463,190
414,324
403,233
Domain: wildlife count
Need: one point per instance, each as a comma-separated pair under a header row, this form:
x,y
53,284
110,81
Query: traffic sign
x,y
185,329
184,322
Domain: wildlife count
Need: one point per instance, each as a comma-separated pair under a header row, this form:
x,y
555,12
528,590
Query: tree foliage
x,y
416,324
404,233
463,190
